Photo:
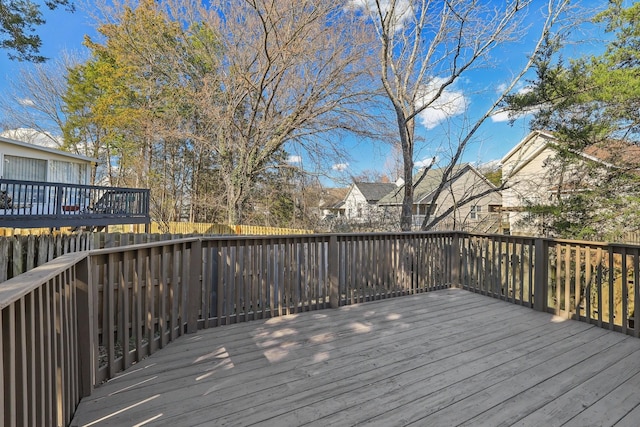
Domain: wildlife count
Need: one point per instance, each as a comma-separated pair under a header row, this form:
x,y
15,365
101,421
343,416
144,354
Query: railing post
x,y
194,291
59,194
541,275
85,324
455,261
334,271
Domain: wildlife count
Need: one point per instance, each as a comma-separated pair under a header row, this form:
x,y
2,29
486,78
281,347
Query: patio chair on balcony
x,y
5,200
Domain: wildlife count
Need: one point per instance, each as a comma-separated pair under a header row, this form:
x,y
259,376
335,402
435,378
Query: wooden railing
x,y
77,321
22,253
499,266
597,283
46,320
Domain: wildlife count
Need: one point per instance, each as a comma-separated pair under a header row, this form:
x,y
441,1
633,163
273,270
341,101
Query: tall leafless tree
x,y
426,46
293,73
34,99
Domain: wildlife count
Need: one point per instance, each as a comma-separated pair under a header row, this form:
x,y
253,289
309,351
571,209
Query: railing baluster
x,y
625,290
636,293
611,289
5,403
587,288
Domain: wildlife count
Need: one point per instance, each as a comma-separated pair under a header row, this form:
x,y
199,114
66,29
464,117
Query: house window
x,y
475,212
68,172
24,169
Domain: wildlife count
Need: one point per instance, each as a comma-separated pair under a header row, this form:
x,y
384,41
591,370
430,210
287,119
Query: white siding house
x,y
525,170
27,162
535,175
361,202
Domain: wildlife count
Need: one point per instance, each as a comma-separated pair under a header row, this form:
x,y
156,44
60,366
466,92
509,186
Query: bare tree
x,y
35,99
425,47
371,175
293,73
240,84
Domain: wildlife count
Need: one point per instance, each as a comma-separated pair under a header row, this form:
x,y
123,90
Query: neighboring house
x,y
361,201
44,187
535,176
525,169
480,215
332,203
27,162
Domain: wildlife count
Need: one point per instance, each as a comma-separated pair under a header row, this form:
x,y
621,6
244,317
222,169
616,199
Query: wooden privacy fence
x,y
21,253
222,229
77,321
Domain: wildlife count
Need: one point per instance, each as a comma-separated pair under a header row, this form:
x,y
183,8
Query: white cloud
x,y
294,159
505,115
491,165
426,162
340,167
403,10
450,103
500,116
26,102
525,89
519,88
33,136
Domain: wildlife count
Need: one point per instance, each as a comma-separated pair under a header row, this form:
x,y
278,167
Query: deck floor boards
x,y
447,357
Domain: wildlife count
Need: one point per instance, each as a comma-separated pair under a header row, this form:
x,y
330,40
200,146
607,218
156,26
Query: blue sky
x,y
64,31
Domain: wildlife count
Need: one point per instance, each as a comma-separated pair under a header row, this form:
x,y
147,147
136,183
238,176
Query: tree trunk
x,y
406,141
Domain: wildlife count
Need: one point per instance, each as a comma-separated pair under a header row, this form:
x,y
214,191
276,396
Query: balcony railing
x,y
82,318
43,204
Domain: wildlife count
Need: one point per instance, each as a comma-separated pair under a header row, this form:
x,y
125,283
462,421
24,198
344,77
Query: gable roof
x,y
536,133
333,198
374,191
424,191
611,153
46,149
615,153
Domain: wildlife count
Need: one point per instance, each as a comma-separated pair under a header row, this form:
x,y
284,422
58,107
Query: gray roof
x,y
333,198
374,191
47,149
423,192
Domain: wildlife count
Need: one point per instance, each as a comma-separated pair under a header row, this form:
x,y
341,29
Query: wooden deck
x,y
442,358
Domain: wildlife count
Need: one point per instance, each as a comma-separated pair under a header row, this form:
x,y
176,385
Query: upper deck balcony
x,y
31,204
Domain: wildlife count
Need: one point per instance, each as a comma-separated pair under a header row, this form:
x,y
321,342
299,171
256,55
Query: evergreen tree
x,y
592,105
18,19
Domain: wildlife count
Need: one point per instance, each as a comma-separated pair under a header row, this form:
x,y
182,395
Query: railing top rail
x,y
551,240
326,236
64,184
590,243
234,237
142,246
14,289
